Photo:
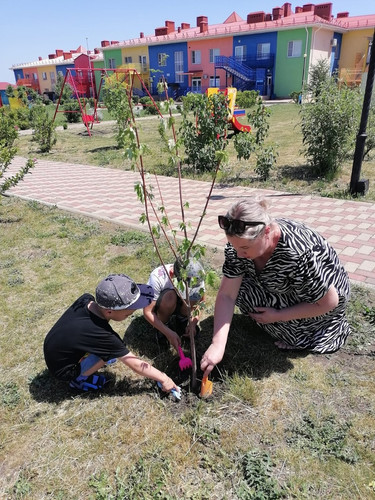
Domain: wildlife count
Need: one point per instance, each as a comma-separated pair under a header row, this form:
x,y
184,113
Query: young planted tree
x,y
116,99
181,240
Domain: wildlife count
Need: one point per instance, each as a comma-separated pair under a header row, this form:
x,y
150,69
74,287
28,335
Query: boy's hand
x,y
167,384
174,339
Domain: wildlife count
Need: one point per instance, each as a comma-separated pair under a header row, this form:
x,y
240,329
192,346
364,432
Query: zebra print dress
x,y
301,269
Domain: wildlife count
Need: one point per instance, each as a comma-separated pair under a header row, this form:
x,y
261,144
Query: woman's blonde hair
x,y
250,210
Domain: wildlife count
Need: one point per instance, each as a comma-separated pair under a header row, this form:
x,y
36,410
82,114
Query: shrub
x,y
148,106
44,132
8,134
246,98
205,134
72,111
329,124
23,118
266,160
117,102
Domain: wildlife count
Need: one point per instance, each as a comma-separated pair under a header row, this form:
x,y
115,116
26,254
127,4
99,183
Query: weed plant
x,y
279,424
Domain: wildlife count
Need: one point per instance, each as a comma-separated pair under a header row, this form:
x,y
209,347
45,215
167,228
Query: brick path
x,y
109,194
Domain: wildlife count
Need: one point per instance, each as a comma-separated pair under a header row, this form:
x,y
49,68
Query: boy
x,y
166,302
82,341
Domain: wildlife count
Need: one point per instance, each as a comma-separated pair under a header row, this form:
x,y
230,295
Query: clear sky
x,y
32,29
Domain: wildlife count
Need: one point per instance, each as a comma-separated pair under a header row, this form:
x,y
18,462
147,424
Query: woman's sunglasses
x,y
236,226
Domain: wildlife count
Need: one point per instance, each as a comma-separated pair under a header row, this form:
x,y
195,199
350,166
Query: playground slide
x,y
239,127
233,112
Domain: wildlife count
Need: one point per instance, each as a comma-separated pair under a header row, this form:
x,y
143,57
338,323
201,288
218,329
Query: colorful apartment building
x,y
269,52
41,75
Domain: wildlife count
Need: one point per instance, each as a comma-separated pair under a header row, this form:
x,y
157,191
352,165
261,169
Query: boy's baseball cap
x,y
118,291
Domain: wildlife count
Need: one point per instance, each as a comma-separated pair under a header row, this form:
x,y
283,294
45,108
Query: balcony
x,y
28,82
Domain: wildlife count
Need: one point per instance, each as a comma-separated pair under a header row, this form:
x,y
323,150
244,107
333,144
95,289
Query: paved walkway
x,y
109,194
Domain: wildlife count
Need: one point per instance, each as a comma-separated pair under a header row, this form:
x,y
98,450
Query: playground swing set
x,y
80,88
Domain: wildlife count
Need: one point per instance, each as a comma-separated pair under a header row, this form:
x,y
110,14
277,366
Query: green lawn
x,y
291,173
279,424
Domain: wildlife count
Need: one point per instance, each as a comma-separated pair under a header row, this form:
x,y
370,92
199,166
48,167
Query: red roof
x,y
5,85
235,25
233,18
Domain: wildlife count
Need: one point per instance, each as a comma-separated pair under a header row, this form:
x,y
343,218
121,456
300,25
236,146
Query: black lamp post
x,y
358,186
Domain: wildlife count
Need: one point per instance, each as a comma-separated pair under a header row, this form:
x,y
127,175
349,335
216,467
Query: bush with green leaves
x,y
148,106
72,111
8,134
319,75
65,91
204,133
258,118
246,98
44,128
116,99
266,160
329,125
245,144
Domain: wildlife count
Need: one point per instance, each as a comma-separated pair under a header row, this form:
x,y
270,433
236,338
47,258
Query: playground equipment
x,y
80,89
233,111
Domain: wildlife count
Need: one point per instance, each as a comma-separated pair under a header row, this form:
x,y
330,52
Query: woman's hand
x,y
210,358
265,315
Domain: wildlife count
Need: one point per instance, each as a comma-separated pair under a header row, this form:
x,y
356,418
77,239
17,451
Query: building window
x,y
60,73
240,52
214,82
35,77
52,77
295,48
162,59
213,54
196,84
112,63
143,63
128,60
263,50
179,66
195,57
44,76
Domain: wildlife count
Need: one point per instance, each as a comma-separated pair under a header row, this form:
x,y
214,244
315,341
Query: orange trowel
x,y
206,388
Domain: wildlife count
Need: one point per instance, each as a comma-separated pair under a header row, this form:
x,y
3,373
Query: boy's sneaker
x,y
90,383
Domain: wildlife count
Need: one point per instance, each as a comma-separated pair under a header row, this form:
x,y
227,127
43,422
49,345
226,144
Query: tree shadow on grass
x,y
249,350
299,172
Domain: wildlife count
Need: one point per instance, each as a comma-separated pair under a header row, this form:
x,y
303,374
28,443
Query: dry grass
x,y
305,423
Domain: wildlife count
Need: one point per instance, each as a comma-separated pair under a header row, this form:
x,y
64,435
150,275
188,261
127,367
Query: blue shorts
x,y
88,361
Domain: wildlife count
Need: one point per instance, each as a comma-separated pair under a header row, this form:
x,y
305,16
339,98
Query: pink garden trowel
x,y
184,362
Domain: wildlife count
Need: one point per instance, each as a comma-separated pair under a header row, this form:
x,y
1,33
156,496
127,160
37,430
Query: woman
x,y
283,275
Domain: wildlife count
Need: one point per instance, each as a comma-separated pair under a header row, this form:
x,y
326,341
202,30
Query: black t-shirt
x,y
76,333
